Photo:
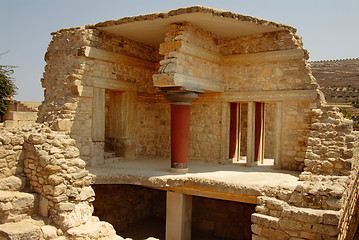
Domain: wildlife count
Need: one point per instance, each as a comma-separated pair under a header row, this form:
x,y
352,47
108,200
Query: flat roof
x,y
207,179
150,29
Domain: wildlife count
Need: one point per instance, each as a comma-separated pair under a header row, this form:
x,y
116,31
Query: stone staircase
x,y
18,219
20,113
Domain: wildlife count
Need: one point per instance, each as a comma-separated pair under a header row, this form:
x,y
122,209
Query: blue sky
x,y
330,28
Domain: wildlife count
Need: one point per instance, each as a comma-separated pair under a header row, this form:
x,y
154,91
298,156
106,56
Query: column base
x,y
179,167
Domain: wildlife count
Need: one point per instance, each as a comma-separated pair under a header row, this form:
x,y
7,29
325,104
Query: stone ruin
x,y
174,94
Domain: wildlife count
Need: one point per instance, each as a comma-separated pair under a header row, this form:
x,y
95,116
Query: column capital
x,y
181,98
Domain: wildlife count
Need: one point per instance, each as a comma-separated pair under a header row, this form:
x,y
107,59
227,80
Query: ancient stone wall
x,y
349,220
297,118
261,42
58,184
153,133
323,203
70,89
184,63
205,132
331,144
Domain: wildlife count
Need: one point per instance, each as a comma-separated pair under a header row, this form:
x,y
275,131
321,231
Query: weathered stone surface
x,y
79,215
12,183
93,229
49,232
21,230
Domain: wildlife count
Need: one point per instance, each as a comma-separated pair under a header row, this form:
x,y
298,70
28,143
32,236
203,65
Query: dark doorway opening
x,y
136,212
220,219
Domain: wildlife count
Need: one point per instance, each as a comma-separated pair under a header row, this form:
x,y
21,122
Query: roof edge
x,y
193,9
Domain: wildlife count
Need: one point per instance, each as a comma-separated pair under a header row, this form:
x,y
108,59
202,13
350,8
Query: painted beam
x,y
108,56
188,82
110,84
273,56
211,193
260,96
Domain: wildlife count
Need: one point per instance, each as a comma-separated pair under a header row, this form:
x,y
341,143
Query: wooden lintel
x,y
211,193
113,84
260,96
188,82
104,55
273,56
199,52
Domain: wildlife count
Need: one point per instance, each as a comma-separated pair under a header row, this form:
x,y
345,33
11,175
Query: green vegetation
x,y
7,87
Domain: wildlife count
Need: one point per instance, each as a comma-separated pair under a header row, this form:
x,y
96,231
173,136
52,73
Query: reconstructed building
x,y
190,105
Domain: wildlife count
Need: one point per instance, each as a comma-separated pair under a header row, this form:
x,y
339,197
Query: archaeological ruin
x,y
194,123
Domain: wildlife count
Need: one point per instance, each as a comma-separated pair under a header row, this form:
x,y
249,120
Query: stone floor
x,y
233,178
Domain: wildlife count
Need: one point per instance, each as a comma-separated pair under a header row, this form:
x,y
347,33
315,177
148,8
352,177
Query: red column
x,y
180,123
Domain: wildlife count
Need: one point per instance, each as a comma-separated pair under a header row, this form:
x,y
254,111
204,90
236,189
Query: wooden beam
x,y
110,84
199,52
188,82
98,115
211,193
260,96
108,56
273,56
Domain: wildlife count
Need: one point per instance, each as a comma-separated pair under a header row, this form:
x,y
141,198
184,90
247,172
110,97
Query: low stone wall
x,y
50,162
331,144
323,204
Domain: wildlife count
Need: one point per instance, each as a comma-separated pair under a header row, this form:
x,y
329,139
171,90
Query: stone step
x,y
12,183
25,229
94,229
15,206
109,155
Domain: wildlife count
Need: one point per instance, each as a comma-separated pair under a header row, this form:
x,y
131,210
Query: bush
x,y
7,87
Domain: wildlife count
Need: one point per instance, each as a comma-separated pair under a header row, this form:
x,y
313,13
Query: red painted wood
x,y
233,130
257,131
180,122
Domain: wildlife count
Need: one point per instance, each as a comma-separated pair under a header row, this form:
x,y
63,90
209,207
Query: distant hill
x,y
338,79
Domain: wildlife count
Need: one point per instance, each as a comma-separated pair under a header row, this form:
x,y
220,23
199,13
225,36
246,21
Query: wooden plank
x,y
273,56
98,115
85,91
191,82
211,193
250,135
187,82
108,56
260,96
110,84
278,134
199,52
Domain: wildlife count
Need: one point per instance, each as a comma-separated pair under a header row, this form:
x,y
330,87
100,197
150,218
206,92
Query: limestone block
x,y
62,125
12,183
65,206
43,206
79,215
25,229
86,193
326,229
72,152
264,220
49,232
93,229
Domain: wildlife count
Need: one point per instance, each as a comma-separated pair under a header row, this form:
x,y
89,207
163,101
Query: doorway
x,y
247,133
